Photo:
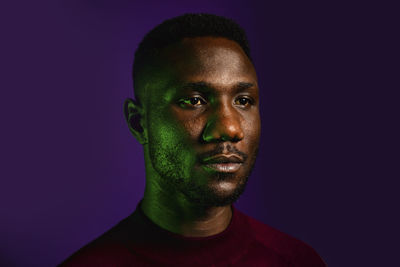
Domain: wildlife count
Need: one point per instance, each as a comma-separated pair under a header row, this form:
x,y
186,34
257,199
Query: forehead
x,y
213,60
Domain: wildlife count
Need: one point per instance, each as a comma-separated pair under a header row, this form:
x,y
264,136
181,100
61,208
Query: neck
x,y
181,217
173,212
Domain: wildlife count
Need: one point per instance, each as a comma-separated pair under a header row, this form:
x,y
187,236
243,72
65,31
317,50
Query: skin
x,y
201,103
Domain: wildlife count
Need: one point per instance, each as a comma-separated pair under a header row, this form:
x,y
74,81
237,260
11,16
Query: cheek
x,y
252,129
159,130
170,148
190,122
193,128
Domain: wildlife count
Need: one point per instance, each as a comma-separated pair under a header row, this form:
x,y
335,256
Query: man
x,y
196,113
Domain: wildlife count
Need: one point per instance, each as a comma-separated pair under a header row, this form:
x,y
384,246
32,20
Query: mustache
x,y
224,149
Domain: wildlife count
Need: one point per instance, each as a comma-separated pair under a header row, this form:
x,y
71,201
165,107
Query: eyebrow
x,y
202,86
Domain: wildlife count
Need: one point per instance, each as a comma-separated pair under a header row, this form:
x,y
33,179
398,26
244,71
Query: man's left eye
x,y
243,101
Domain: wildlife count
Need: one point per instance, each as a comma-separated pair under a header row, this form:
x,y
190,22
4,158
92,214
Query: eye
x,y
192,101
244,101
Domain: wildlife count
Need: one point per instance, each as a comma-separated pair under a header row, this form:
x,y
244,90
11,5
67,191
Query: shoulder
x,y
294,250
97,254
109,249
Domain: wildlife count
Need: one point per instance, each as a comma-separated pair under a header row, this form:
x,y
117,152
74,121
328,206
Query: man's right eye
x,y
192,101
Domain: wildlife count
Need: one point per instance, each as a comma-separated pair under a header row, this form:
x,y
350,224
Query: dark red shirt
x,y
137,241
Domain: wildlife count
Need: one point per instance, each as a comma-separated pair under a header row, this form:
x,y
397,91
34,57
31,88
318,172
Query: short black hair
x,y
174,30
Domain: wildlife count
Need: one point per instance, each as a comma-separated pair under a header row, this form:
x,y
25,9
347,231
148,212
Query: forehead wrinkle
x,y
217,61
204,86
205,55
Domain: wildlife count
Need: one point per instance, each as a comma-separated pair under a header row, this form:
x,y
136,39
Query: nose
x,y
224,125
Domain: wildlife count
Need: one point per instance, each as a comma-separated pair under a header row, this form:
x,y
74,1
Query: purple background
x,y
325,174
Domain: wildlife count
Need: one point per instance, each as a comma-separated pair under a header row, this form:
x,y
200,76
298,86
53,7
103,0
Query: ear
x,y
134,116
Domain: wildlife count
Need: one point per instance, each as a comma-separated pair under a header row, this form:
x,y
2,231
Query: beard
x,y
209,197
174,164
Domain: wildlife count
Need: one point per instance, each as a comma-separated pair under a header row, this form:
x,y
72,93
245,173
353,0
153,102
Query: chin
x,y
219,192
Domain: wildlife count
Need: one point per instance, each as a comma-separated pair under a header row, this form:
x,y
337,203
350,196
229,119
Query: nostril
x,y
222,130
231,139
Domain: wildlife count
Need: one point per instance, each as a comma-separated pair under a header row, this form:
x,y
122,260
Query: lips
x,y
223,163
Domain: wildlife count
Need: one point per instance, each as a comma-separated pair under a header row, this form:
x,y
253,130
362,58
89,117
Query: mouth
x,y
224,167
223,163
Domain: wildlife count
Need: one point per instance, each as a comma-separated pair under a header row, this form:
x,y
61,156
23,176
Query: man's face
x,y
203,120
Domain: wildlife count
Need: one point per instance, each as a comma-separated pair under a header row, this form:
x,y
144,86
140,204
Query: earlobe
x,y
134,116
